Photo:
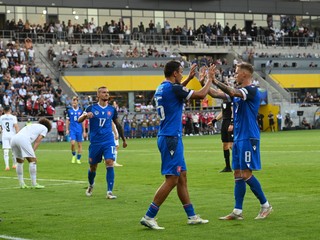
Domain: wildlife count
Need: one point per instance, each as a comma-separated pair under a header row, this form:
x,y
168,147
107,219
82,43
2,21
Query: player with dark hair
x,y
22,148
246,147
169,98
102,140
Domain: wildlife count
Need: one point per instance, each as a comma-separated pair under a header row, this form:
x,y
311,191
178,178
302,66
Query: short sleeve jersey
x,y
73,115
7,122
31,132
245,113
169,99
101,123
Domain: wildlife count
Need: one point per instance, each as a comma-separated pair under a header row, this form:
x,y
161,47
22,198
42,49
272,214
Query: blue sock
x,y
255,187
78,156
110,178
152,210
239,192
91,176
73,153
189,209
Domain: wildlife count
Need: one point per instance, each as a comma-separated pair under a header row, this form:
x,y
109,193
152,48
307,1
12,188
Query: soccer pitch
x,y
289,177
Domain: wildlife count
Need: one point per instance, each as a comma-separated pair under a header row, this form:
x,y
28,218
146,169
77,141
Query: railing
x,y
199,40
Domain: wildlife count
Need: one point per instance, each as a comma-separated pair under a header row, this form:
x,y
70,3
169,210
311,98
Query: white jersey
x,y
7,122
31,132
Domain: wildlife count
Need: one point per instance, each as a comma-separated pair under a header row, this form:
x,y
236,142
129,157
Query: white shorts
x,y
6,143
22,148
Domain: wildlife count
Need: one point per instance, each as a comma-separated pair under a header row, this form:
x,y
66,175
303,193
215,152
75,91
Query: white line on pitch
x,y
12,238
50,180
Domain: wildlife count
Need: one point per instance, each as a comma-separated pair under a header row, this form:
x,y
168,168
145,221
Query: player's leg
x,y
33,172
239,186
14,160
115,163
6,158
253,182
19,171
110,176
6,146
95,155
79,152
73,148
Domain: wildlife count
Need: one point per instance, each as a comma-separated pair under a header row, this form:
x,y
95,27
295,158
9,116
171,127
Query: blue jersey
x,y
101,124
245,113
73,115
169,99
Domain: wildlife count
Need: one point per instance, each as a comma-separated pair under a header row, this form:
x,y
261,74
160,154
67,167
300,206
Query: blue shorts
x,y
99,151
172,158
77,136
246,154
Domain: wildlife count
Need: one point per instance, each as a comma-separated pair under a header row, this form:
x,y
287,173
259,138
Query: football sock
x,y
78,156
91,176
226,154
19,171
73,153
14,160
239,192
6,157
110,178
152,210
33,173
256,189
188,208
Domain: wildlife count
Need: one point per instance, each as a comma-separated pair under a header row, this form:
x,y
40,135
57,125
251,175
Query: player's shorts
x,y
61,133
6,142
171,150
226,136
246,154
21,147
99,151
76,136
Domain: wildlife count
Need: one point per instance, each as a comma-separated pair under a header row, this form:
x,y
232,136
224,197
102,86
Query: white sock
x,y
6,157
19,171
14,160
265,205
237,211
33,173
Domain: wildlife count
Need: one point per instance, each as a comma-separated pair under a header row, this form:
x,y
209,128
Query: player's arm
x,y
232,92
16,127
84,129
67,126
191,75
37,142
84,116
120,131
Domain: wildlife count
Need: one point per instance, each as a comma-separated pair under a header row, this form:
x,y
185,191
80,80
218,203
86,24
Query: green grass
x,y
290,179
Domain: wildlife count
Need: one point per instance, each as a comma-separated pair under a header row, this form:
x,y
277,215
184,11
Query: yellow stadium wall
x,y
265,109
123,83
297,80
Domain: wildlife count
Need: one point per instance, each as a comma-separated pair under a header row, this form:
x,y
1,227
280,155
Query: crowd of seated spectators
x,y
119,33
22,85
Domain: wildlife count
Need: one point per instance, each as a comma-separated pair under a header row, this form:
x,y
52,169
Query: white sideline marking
x,y
13,238
60,182
49,180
